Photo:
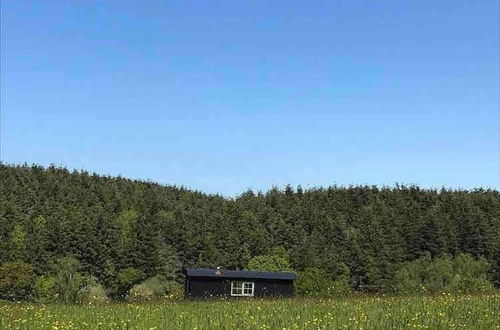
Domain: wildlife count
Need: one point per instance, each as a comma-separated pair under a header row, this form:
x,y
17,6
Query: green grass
x,y
439,312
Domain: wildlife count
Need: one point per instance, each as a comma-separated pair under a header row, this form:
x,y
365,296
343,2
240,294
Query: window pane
x,y
248,288
242,288
237,288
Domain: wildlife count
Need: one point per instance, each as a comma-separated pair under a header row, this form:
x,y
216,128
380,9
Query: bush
x,y
156,284
82,289
130,276
141,292
44,289
93,293
153,288
339,288
467,284
316,282
67,280
462,274
127,278
16,281
175,291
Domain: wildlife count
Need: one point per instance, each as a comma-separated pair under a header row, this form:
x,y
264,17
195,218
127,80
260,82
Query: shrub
x,y
141,292
311,281
462,274
153,288
93,293
339,287
316,282
67,280
467,284
16,281
127,278
174,291
44,289
156,284
130,276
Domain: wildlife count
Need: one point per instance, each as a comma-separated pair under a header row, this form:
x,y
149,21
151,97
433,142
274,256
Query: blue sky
x,y
221,95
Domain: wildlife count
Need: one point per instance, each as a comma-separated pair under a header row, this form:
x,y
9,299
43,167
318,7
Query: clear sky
x,y
225,95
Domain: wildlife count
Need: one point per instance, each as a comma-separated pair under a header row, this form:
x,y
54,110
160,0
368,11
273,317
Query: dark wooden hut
x,y
207,283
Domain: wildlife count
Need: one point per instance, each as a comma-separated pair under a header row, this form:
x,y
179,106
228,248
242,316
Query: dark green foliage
x,y
126,279
277,261
16,280
269,263
316,282
67,284
45,289
110,224
67,280
462,274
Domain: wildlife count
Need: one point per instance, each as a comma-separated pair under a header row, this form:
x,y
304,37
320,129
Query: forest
x,y
118,232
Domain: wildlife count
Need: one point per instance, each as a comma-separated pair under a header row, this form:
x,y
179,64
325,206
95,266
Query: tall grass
x,y
438,312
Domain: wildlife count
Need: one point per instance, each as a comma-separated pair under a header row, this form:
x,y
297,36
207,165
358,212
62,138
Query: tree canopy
x,y
115,227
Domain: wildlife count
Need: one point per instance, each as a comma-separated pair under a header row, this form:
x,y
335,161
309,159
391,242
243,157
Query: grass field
x,y
440,312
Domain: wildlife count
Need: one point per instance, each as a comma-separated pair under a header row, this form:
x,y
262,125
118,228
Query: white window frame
x,y
245,286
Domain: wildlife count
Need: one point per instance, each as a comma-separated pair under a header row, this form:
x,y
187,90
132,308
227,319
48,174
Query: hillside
x,y
110,223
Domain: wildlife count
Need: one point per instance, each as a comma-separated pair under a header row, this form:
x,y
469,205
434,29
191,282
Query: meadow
x,y
365,312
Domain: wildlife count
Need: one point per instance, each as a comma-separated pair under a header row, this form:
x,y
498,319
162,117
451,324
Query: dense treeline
x,y
362,233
